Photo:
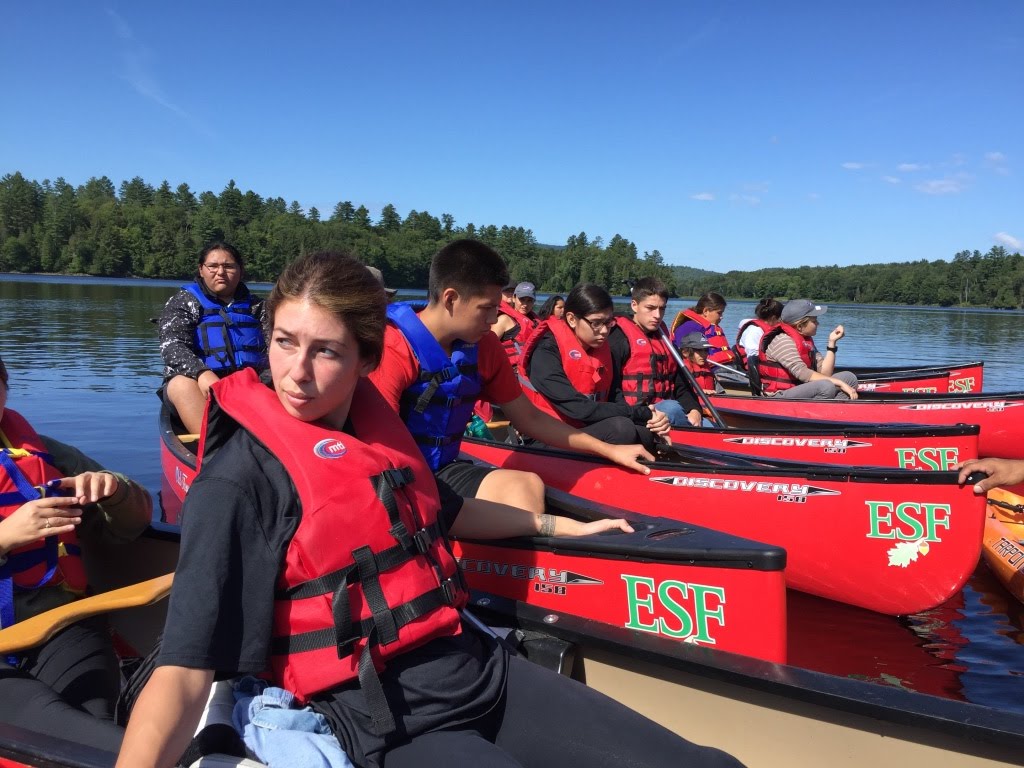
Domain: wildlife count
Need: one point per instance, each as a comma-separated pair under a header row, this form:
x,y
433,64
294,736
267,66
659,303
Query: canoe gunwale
x,y
971,722
746,465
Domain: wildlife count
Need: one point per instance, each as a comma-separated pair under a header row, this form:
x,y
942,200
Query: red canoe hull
x,y
901,447
734,600
891,541
959,379
1000,415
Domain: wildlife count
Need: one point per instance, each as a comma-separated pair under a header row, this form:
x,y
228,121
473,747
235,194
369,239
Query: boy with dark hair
x,y
645,371
439,361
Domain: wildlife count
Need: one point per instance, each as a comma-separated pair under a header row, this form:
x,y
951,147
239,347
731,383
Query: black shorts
x,y
463,477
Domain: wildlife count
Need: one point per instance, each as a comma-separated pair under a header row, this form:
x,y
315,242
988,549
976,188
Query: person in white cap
x,y
790,364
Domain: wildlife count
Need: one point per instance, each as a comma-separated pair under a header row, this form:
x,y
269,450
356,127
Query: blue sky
x,y
727,135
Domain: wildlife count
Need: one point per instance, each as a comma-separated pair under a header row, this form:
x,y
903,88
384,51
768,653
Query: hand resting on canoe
x,y
1001,473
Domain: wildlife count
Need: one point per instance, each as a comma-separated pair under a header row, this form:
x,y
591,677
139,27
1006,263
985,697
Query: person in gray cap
x,y
516,321
694,349
791,366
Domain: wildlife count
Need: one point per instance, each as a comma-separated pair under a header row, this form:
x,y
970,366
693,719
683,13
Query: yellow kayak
x,y
1003,549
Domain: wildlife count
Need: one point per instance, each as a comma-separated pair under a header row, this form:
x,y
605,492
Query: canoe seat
x,y
188,438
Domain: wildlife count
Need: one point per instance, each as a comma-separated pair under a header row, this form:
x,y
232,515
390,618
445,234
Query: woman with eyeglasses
x,y
211,327
570,373
790,364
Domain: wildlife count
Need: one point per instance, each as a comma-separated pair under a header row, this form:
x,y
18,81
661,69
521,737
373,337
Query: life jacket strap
x,y
393,557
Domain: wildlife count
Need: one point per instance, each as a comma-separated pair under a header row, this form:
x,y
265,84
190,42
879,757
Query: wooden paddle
x,y
38,629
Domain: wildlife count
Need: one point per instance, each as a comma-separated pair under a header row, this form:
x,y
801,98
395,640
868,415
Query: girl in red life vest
x,y
314,547
705,318
570,373
52,497
694,350
516,321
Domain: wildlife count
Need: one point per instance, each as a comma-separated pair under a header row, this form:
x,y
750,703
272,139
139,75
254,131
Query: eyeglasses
x,y
596,325
227,267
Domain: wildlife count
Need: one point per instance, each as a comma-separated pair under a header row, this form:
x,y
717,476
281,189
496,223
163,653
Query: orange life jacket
x,y
714,335
774,377
589,371
649,374
368,574
27,473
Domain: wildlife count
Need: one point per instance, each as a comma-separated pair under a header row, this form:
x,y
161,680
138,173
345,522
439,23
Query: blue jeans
x,y
674,411
280,735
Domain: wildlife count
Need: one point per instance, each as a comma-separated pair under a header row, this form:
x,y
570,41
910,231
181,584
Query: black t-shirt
x,y
547,375
240,515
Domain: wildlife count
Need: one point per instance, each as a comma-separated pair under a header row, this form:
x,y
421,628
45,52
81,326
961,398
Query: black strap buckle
x,y
422,539
397,478
450,591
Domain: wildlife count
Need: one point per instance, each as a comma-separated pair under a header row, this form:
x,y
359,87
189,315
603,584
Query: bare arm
x,y
1001,472
481,519
503,325
165,717
530,420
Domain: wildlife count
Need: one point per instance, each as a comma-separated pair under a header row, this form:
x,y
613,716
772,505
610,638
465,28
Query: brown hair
x,y
342,285
648,286
709,300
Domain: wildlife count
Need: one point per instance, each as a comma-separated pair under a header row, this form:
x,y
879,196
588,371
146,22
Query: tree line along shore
x,y
140,230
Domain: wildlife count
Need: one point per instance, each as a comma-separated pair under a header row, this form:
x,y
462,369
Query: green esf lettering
x,y
908,521
686,610
961,385
937,459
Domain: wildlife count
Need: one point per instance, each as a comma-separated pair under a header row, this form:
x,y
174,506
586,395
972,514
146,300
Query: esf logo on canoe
x,y
937,459
675,609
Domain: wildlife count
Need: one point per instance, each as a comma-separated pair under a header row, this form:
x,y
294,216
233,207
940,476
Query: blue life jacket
x,y
228,338
439,404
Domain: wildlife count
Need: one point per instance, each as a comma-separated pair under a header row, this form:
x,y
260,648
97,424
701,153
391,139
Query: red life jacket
x,y
649,374
715,336
589,371
516,337
368,574
775,378
25,469
702,374
741,351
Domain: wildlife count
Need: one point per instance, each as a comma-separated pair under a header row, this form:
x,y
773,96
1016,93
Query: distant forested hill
x,y
146,231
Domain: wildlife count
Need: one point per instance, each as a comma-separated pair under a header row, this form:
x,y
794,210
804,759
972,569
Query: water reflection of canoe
x,y
1004,539
906,446
1000,415
893,541
768,714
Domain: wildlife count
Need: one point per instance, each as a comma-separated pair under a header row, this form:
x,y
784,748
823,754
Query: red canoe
x,y
685,582
1000,415
960,379
893,541
902,446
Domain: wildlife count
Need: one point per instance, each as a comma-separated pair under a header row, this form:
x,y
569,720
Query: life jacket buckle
x,y
422,539
450,591
397,478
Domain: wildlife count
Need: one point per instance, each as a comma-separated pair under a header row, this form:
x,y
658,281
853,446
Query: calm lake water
x,y
84,363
